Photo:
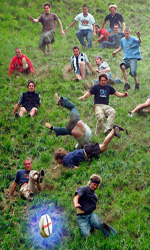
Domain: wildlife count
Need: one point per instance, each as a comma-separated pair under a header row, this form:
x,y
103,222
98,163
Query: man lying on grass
x,y
28,181
89,150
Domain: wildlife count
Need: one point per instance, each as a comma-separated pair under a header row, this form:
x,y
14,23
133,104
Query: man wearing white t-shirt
x,y
86,27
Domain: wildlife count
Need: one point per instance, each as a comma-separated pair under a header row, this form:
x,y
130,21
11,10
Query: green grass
x,y
124,193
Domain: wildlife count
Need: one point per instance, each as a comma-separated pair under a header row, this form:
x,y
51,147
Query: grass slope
x,y
124,193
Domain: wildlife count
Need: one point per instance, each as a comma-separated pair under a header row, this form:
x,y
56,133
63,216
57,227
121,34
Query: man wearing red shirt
x,y
102,34
20,64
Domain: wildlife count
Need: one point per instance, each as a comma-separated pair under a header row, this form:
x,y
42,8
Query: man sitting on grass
x,y
28,181
75,126
20,64
90,150
29,100
140,107
85,201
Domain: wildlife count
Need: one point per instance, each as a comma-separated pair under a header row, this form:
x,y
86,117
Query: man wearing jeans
x,y
86,27
85,201
101,92
75,126
130,46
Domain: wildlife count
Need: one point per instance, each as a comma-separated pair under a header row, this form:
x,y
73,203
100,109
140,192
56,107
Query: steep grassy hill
x,y
124,195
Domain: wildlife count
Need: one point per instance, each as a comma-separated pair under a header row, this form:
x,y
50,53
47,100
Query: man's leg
x,y
96,222
42,43
140,107
124,73
33,111
22,111
100,119
110,113
84,224
35,179
80,35
89,38
133,69
82,70
125,65
106,44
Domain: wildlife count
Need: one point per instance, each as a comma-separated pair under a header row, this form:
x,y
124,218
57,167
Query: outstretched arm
x,y
103,71
118,94
138,34
103,23
100,39
13,187
61,28
116,51
86,95
90,67
123,26
73,23
76,201
16,108
33,20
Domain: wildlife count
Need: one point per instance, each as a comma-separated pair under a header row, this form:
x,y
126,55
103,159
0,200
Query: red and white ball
x,y
45,225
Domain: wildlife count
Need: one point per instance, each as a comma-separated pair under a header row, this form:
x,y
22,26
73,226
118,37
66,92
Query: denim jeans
x,y
85,222
106,44
132,64
74,118
85,33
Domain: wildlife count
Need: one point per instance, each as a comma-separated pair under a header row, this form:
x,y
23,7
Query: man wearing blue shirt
x,y
131,50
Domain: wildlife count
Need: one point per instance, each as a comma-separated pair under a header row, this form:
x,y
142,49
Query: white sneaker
x,y
25,65
77,146
130,114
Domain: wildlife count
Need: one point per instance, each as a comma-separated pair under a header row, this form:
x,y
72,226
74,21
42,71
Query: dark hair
x,y
84,6
97,26
103,75
76,47
47,4
116,24
99,57
30,81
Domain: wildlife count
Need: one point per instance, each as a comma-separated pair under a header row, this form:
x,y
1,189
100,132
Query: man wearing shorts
x,y
29,100
130,46
74,158
28,181
140,107
48,21
85,201
75,126
78,64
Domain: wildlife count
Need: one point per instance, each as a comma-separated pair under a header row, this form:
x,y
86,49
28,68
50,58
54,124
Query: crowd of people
x,y
29,180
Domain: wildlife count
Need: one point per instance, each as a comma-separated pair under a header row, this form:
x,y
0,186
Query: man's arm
x,y
86,95
73,23
103,23
13,187
118,94
116,51
123,26
104,70
33,20
90,67
94,33
16,108
100,39
76,201
61,28
138,34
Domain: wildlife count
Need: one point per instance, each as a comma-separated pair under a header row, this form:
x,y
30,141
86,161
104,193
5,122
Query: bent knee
x,y
23,109
123,67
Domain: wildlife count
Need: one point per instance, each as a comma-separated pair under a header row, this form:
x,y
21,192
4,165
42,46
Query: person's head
x,y
113,9
76,51
127,33
18,52
59,154
116,28
97,28
94,182
103,79
28,164
98,60
47,7
85,10
31,86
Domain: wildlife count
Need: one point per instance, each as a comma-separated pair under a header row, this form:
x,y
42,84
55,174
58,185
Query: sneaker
x,y
130,114
48,125
137,86
76,80
117,132
120,128
126,86
40,176
57,99
77,146
29,115
25,65
31,196
17,115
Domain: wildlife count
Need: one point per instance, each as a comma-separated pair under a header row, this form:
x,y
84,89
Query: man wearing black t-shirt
x,y
28,181
114,18
85,201
101,92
